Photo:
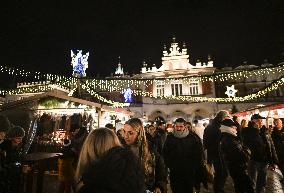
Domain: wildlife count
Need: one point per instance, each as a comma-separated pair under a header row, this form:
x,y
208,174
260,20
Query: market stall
x,y
271,111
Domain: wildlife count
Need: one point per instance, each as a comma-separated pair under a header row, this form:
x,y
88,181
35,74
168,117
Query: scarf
x,y
181,134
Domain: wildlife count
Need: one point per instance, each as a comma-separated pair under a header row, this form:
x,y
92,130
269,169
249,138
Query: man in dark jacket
x,y
161,130
278,140
13,160
154,138
263,154
237,121
183,154
211,141
236,157
4,146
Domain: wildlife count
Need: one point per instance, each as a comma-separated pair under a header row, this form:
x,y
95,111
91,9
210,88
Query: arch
x,y
137,114
200,113
156,114
177,114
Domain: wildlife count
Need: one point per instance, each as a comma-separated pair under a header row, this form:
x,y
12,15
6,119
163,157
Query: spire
x,y
119,69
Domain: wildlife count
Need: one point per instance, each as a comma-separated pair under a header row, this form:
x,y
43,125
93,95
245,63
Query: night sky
x,y
40,36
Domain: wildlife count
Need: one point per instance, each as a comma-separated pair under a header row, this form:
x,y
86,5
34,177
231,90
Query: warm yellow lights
x,y
139,86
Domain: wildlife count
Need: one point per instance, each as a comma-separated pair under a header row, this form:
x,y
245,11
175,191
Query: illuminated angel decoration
x,y
79,63
127,94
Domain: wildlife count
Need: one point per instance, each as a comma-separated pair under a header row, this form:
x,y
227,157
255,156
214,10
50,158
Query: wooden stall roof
x,y
56,94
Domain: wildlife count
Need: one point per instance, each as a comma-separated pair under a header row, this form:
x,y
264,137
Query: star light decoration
x,y
231,91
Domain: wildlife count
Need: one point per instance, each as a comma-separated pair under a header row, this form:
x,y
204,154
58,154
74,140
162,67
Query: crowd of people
x,y
136,158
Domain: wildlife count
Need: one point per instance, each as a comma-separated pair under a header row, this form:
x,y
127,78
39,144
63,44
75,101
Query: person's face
x,y
17,140
278,123
258,122
227,117
129,134
2,135
152,130
163,126
180,127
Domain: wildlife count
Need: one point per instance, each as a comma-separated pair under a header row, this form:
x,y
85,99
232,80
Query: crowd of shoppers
x,y
138,158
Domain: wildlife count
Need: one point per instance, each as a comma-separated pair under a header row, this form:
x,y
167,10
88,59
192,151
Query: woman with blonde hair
x,y
105,166
152,163
244,123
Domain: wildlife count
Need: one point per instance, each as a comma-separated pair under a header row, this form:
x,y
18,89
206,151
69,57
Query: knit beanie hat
x,y
4,124
16,131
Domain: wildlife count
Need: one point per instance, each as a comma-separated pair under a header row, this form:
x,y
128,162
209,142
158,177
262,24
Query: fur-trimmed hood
x,y
117,172
230,130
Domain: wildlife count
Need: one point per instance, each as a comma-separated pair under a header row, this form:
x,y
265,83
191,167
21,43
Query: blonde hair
x,y
96,145
244,123
144,152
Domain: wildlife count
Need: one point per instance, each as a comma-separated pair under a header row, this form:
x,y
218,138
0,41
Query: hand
x,y
157,190
272,167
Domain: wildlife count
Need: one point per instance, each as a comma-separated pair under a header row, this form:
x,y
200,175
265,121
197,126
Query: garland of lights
x,y
43,88
37,75
273,86
96,95
31,89
119,84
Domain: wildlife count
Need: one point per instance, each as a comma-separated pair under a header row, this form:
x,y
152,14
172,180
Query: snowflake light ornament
x,y
231,91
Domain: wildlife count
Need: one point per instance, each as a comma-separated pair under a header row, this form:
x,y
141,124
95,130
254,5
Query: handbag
x,y
209,172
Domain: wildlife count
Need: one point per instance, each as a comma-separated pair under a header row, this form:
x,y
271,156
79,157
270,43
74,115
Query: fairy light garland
x,y
44,88
103,99
273,86
36,75
31,89
119,84
111,85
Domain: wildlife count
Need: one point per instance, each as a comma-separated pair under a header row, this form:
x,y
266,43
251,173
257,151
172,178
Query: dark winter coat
x,y
117,172
10,173
159,177
260,144
234,153
66,162
163,135
155,142
211,140
278,139
185,159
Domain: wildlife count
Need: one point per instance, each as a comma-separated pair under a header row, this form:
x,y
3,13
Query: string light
x,y
103,99
273,86
69,83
